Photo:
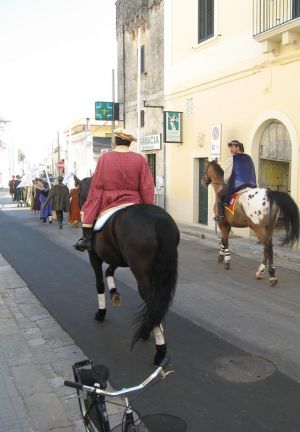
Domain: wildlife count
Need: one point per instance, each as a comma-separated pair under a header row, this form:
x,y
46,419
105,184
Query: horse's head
x,y
213,172
83,188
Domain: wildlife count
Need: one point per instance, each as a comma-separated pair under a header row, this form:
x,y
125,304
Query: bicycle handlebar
x,y
96,390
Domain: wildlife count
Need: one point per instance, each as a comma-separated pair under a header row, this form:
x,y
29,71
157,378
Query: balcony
x,y
276,22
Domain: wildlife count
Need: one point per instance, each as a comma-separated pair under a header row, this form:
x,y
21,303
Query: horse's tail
x,y
290,213
163,279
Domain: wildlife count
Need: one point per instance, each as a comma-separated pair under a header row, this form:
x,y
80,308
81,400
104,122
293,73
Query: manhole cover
x,y
244,368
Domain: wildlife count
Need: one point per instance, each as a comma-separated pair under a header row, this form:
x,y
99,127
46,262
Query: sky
x,y
56,60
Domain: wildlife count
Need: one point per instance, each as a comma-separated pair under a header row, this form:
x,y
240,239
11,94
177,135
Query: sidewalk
x,y
36,357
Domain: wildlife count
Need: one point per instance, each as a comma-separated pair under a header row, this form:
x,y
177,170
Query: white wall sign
x,y
215,139
150,142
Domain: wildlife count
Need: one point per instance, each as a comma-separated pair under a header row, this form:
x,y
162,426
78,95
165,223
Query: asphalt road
x,y
219,321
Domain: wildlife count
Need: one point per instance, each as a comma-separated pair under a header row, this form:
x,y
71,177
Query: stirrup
x,y
83,244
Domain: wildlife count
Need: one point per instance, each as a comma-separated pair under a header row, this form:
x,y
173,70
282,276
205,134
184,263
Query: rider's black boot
x,y
221,211
85,243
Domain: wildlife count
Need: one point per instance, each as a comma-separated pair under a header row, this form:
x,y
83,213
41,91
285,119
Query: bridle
x,y
211,182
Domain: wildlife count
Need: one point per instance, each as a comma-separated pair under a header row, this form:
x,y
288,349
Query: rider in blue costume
x,y
239,173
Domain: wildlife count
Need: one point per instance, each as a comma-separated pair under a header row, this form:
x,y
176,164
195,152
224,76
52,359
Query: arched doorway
x,y
275,154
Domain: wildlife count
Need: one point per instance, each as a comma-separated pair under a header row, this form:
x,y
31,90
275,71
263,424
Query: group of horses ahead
x,y
145,238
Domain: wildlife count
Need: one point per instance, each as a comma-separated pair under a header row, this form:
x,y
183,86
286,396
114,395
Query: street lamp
x,y
8,168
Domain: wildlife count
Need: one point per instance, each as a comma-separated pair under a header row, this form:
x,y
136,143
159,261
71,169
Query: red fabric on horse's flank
x,y
231,206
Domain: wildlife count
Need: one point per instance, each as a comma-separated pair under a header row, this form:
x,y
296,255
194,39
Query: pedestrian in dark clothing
x,y
36,191
46,212
11,185
18,191
60,197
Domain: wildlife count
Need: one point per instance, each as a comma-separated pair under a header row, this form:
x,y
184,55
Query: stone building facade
x,y
140,54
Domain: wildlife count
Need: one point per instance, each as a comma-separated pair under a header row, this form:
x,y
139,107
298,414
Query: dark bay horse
x,y
144,238
259,210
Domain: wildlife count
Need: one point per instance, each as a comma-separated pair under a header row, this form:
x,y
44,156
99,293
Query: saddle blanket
x,y
107,215
254,202
231,205
233,199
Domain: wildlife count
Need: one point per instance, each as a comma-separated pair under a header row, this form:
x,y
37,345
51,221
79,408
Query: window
x,y
152,164
143,70
205,19
142,118
296,8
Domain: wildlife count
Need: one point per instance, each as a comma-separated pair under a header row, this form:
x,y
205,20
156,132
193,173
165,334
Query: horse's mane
x,y
84,186
219,170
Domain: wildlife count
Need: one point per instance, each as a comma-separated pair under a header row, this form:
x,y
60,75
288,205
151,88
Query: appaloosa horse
x,y
144,238
259,210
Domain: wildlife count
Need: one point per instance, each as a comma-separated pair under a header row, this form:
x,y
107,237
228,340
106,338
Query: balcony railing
x,y
269,14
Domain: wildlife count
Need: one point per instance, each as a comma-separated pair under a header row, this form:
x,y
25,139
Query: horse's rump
x,y
138,230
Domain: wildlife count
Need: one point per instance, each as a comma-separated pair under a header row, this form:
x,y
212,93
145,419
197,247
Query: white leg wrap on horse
x,y
159,335
261,268
101,301
227,255
110,282
222,251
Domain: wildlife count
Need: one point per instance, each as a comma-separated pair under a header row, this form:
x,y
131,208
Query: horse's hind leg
x,y
263,237
272,278
114,293
161,347
96,263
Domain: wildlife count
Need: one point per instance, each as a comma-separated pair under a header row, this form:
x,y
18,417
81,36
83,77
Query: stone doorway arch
x,y
275,155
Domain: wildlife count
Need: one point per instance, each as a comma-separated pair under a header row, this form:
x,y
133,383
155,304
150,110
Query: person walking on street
x,y
11,185
239,173
18,192
60,198
122,177
36,191
46,212
74,214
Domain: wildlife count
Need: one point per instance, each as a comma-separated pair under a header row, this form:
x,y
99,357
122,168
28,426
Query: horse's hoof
x,y
100,315
259,275
227,265
273,281
220,258
161,351
116,299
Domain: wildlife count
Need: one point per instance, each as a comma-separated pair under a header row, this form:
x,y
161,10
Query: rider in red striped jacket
x,y
121,178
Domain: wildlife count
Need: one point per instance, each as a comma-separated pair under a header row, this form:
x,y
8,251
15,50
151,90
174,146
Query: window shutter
x,y
143,59
296,8
205,19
